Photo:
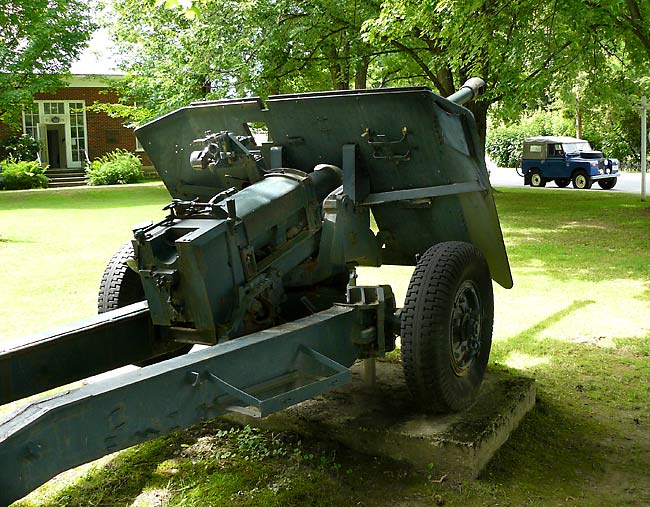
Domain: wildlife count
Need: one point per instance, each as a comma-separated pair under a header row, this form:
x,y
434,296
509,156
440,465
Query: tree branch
x,y
416,58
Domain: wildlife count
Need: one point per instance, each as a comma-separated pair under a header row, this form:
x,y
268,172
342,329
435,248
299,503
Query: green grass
x,y
577,320
54,246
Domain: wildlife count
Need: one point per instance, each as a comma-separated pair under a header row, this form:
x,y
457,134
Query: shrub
x,y
18,148
504,142
117,167
21,175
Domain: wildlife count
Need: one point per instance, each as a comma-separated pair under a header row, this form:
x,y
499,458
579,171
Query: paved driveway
x,y
627,182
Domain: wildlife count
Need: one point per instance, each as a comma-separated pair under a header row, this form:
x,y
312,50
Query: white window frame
x,y
41,127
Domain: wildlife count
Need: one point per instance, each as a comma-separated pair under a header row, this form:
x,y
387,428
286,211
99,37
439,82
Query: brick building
x,y
68,131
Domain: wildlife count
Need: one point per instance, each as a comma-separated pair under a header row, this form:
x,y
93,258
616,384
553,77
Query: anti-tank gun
x,y
257,259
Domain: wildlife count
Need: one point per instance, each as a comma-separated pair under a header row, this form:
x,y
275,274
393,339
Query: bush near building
x,y
22,175
19,147
115,168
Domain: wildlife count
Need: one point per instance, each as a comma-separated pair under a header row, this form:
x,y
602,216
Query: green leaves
x,y
187,7
39,39
115,168
21,175
529,52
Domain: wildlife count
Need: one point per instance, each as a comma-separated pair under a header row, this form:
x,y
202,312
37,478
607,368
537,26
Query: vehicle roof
x,y
553,139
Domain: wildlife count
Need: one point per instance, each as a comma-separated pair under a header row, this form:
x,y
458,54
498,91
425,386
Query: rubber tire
x,y
562,182
540,182
121,286
426,324
577,181
607,184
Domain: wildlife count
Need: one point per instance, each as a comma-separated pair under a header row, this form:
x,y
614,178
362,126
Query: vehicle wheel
x,y
446,326
536,178
562,182
581,180
121,286
607,184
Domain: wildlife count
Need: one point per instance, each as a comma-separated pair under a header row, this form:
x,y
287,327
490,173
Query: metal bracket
x,y
422,193
356,182
311,373
276,157
377,336
386,150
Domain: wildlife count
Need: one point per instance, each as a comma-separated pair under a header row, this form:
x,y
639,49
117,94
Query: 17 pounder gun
x,y
256,259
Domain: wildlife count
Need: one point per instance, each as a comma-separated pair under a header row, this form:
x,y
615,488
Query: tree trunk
x,y
361,74
337,73
578,119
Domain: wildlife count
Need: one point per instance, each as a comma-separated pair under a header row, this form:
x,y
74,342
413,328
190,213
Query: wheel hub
x,y
465,329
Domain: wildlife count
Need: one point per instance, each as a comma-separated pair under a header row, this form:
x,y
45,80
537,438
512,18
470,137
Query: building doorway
x,y
56,146
60,126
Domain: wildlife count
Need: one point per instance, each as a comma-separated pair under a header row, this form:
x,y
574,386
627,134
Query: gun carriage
x,y
256,259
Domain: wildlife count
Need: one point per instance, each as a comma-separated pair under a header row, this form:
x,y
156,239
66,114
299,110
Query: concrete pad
x,y
382,421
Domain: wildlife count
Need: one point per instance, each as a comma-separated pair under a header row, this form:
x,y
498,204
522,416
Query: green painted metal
x,y
75,352
272,369
260,233
471,89
386,141
257,237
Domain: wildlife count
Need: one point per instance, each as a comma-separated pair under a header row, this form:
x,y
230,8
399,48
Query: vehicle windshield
x,y
576,147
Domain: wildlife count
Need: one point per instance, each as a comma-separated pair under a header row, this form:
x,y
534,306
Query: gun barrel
x,y
473,87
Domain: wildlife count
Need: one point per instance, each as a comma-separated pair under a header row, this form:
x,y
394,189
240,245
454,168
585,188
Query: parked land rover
x,y
565,160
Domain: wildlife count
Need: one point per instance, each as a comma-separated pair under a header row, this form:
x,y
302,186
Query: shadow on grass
x,y
524,340
204,466
555,452
118,482
15,241
130,473
563,448
645,295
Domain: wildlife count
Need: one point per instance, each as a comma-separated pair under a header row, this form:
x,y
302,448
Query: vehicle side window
x,y
555,150
533,151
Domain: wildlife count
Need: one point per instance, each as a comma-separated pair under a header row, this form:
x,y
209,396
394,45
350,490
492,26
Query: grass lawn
x,y
578,320
54,246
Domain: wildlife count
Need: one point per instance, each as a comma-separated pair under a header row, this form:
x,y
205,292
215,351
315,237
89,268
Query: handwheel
x,y
446,326
121,286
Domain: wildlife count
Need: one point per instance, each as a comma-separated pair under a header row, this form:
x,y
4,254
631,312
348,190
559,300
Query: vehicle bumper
x,y
597,177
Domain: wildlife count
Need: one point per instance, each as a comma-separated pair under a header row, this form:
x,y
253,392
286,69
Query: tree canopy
x,y
530,53
39,39
261,47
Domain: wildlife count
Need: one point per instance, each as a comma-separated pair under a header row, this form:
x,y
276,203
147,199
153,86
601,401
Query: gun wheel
x,y
446,326
121,286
